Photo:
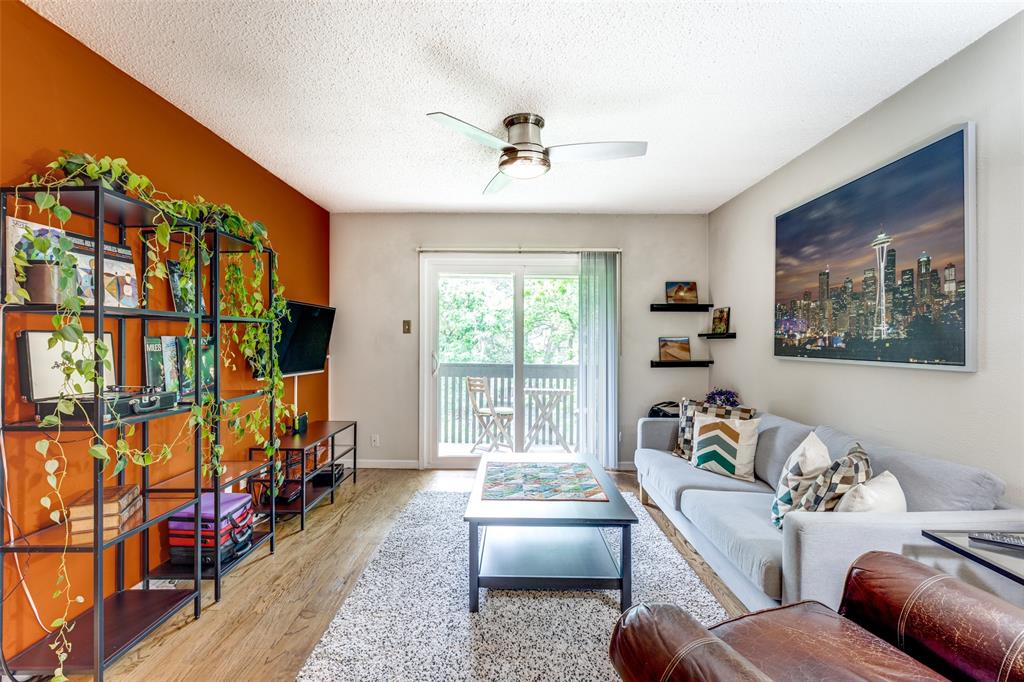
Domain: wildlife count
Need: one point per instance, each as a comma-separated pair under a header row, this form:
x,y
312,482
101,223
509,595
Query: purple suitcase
x,y
233,507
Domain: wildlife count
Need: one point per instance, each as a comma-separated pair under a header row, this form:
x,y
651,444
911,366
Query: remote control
x,y
1000,539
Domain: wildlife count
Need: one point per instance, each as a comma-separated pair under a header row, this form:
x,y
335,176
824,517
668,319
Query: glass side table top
x,y
1006,562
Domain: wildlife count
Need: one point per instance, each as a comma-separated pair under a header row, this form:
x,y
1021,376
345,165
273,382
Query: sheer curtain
x,y
599,356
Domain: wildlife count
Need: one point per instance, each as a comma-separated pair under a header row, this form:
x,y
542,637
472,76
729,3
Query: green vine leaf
x,y
50,466
63,213
99,452
42,446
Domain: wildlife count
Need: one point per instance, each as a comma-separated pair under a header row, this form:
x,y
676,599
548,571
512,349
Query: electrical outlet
x,y
375,440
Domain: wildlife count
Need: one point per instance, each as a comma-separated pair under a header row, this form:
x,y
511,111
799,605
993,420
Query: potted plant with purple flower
x,y
722,397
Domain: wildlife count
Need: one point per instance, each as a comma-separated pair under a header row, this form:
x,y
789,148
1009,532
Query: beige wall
x,y
374,285
974,418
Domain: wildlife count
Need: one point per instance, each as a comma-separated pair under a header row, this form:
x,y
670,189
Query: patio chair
x,y
494,421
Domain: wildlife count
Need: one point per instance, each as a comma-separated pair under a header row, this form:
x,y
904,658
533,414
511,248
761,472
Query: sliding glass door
x,y
499,355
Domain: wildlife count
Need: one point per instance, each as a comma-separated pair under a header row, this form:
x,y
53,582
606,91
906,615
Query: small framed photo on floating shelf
x,y
680,292
673,348
720,321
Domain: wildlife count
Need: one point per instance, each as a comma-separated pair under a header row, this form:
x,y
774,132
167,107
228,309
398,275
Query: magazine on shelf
x,y
182,290
206,364
162,362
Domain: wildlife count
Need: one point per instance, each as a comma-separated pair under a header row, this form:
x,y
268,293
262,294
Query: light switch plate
x,y
407,326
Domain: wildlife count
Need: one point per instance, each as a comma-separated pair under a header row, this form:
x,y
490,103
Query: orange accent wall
x,y
57,94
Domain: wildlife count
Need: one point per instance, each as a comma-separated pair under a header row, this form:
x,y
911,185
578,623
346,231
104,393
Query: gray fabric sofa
x,y
728,521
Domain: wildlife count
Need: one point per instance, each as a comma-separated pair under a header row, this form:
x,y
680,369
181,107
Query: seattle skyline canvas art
x,y
876,270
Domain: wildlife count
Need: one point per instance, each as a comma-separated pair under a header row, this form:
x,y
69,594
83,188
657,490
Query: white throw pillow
x,y
802,468
725,446
881,494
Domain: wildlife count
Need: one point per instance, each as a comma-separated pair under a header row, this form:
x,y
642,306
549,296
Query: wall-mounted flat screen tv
x,y
305,338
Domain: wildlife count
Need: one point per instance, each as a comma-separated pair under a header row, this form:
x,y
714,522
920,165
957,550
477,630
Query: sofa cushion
x,y
668,476
841,477
725,446
690,408
808,461
739,526
777,438
929,483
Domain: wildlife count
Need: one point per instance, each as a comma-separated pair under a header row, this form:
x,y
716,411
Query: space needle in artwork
x,y
881,245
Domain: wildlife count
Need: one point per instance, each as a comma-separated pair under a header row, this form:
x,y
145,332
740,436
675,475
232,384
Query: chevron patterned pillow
x,y
802,468
725,446
690,408
846,472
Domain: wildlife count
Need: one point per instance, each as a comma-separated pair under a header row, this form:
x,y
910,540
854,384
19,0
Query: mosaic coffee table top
x,y
547,481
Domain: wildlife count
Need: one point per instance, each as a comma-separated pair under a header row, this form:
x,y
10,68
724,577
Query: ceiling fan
x,y
523,157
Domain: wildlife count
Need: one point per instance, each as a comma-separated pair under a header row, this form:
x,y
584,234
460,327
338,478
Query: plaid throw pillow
x,y
689,407
846,472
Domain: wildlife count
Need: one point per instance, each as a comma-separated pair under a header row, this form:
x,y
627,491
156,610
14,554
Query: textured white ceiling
x,y
332,96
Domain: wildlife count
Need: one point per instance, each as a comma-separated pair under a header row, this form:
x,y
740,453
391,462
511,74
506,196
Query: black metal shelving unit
x,y
116,623
236,472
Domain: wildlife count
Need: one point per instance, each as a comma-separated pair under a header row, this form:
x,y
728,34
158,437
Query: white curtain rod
x,y
511,249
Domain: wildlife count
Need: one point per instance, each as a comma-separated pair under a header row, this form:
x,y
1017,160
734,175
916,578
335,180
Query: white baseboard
x,y
388,463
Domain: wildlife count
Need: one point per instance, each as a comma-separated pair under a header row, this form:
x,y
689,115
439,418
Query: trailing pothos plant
x,y
83,359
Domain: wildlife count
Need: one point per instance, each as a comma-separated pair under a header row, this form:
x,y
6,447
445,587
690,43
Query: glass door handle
x,y
435,363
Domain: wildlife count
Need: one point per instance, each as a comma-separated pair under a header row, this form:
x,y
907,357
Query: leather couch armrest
x,y
664,643
954,628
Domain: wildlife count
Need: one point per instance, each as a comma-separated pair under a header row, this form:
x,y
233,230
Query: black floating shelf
x,y
682,363
681,307
726,335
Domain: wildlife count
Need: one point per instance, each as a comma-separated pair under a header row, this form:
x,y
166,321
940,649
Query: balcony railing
x,y
455,413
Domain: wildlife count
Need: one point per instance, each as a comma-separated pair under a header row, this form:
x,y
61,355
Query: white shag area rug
x,y
408,619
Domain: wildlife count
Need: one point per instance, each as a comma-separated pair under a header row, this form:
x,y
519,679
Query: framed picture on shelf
x,y
680,292
673,348
881,269
182,291
120,282
720,321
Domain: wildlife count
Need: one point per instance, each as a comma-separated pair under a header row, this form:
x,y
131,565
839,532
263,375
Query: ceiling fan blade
x,y
470,131
596,151
497,183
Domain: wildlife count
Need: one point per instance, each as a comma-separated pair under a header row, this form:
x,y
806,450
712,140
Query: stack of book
x,y
121,504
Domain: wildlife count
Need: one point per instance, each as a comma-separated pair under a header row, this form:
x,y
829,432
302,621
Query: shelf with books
x,y
50,539
120,619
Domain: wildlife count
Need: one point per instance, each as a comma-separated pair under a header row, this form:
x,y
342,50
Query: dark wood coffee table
x,y
549,544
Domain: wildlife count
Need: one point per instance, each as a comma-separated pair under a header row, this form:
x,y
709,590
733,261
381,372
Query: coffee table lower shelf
x,y
548,558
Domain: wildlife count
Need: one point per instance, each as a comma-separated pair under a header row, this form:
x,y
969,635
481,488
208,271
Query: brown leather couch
x,y
899,620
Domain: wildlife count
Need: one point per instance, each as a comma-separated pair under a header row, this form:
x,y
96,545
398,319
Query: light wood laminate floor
x,y
274,609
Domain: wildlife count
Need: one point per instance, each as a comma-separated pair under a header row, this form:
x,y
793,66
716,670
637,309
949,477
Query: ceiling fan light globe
x,y
524,166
